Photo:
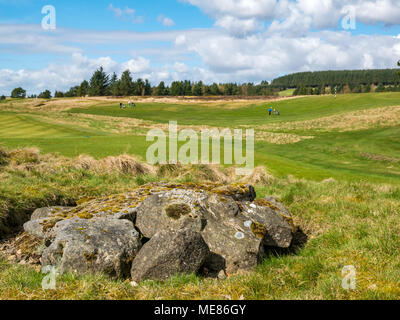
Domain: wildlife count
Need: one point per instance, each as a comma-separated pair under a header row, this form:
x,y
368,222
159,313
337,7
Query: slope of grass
x,y
222,116
352,220
287,93
347,223
368,154
372,155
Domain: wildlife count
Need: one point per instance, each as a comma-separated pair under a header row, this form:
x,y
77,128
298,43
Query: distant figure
x,y
276,112
270,111
120,105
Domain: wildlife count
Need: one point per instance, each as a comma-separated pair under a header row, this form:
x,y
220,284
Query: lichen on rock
x,y
106,234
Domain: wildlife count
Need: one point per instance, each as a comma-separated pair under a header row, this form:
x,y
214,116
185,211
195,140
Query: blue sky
x,y
89,14
228,40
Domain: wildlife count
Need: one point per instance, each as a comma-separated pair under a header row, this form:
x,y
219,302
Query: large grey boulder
x,y
170,210
43,220
48,212
169,253
268,225
42,228
236,192
89,246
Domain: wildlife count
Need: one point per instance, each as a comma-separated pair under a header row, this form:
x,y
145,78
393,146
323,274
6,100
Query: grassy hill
x,y
335,165
351,137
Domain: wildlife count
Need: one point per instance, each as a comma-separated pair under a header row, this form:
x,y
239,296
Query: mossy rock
x,y
177,210
259,229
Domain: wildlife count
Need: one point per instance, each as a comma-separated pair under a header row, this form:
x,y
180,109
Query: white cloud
x,y
126,13
180,67
304,13
54,76
181,40
239,27
139,65
165,21
239,48
221,57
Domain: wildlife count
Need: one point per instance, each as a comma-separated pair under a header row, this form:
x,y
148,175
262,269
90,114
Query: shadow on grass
x,y
298,243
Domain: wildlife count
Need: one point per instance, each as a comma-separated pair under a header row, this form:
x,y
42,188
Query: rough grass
x,y
350,121
315,137
348,206
348,223
30,180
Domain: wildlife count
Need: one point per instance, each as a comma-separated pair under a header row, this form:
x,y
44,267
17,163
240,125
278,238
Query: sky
x,y
56,44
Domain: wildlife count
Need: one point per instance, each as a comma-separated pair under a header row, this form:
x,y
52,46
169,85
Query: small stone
x,y
134,284
222,275
12,258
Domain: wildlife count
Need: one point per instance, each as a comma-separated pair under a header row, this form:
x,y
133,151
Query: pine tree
x,y
83,89
160,90
398,63
126,86
147,88
45,95
139,88
58,94
98,83
198,89
113,88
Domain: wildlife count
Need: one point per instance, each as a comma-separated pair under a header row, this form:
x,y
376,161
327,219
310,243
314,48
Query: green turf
x,y
337,155
291,110
329,154
349,222
287,93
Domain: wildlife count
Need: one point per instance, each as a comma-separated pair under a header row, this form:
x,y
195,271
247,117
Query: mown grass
x,y
254,114
329,154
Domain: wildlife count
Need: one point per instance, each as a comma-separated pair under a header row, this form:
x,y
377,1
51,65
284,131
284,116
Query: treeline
x,y
305,83
102,84
344,89
352,78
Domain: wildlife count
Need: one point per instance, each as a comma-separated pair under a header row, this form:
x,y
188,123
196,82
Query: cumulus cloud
x,y
54,76
288,14
239,27
139,65
252,40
